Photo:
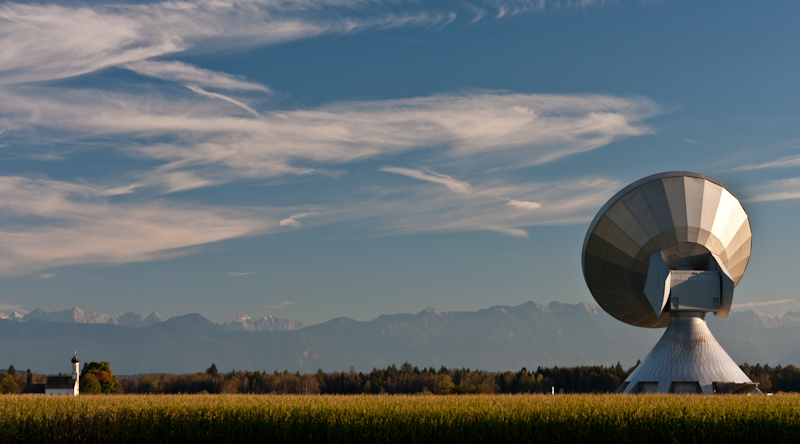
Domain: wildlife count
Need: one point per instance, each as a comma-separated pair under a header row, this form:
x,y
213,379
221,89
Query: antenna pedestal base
x,y
688,359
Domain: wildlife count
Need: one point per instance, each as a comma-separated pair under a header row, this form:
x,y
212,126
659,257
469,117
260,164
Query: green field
x,y
400,419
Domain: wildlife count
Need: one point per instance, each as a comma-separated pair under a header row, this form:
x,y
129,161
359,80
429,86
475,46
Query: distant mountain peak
x,y
77,315
266,323
14,316
192,318
73,315
556,306
131,319
760,320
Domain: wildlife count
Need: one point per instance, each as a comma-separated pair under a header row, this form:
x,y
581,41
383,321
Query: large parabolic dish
x,y
664,252
687,218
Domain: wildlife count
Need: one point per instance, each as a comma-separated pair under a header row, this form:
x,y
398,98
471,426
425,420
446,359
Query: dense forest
x,y
97,377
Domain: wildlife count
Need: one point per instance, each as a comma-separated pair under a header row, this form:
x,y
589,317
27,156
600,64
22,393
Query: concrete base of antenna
x,y
688,359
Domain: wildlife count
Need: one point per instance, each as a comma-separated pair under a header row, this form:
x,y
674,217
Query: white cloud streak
x,y
63,223
239,273
479,13
418,209
523,204
293,221
454,185
281,305
182,72
42,42
290,222
12,307
783,162
177,181
168,181
784,189
762,304
213,95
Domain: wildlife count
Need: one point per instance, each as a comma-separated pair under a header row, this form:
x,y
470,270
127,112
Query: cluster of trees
x,y
774,379
97,377
13,381
392,380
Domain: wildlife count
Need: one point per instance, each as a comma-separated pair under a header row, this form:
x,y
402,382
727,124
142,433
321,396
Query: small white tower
x,y
76,374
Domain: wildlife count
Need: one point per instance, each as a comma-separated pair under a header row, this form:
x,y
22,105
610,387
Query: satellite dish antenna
x,y
664,252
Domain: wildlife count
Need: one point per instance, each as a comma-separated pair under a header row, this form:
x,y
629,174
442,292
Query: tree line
x,y
774,379
97,377
13,381
406,379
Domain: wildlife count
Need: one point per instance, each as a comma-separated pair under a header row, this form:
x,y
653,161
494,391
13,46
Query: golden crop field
x,y
400,419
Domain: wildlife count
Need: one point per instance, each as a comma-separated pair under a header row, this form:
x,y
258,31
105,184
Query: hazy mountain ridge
x,y
761,320
76,315
131,319
72,315
498,338
273,323
79,316
267,323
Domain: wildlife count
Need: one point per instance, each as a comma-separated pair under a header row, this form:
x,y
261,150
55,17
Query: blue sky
x,y
315,159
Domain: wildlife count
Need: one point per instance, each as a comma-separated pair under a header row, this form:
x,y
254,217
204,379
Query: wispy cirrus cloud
x,y
12,307
433,208
239,273
523,204
182,72
47,41
281,305
762,304
454,185
51,223
774,190
480,13
474,198
783,162
294,220
42,41
53,41
218,144
214,95
426,207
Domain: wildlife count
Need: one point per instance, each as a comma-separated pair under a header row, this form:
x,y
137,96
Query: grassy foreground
x,y
400,419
